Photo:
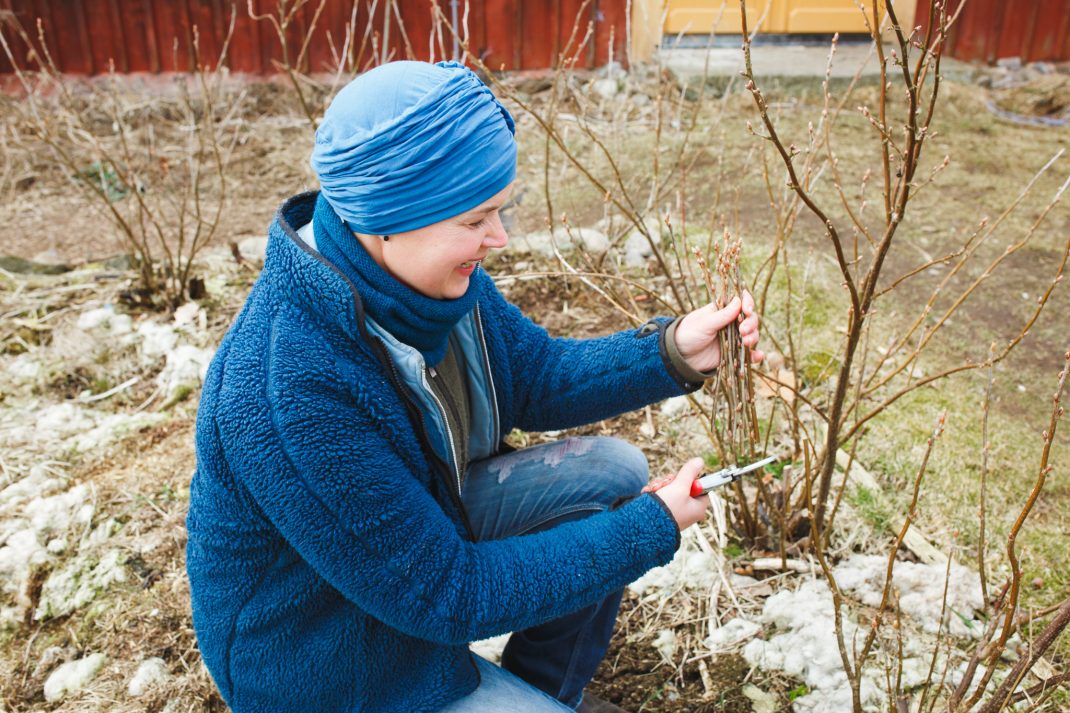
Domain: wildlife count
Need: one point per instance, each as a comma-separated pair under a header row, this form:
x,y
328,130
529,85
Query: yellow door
x,y
825,16
721,17
771,16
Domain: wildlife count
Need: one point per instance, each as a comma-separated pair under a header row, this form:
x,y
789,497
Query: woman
x,y
355,518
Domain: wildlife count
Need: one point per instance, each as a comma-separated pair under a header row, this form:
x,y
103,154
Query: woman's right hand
x,y
675,492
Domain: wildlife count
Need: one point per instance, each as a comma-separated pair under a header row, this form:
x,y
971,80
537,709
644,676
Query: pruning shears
x,y
706,483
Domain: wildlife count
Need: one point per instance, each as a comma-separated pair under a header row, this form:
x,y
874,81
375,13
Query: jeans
x,y
501,691
535,489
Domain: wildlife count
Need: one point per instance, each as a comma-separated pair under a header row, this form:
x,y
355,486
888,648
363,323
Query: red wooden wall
x,y
987,30
84,36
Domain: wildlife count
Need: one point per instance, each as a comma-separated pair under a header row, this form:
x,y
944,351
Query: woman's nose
x,y
496,236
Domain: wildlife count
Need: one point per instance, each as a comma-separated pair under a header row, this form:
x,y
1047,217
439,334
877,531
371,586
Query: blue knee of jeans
x,y
630,472
543,486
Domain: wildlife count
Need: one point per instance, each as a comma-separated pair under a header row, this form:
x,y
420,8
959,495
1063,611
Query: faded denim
x,y
535,489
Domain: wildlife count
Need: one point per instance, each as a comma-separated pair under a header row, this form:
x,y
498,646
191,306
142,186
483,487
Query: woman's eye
x,y
478,223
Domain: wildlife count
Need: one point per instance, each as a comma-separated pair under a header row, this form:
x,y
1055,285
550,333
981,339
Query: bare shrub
x,y
821,407
357,50
159,175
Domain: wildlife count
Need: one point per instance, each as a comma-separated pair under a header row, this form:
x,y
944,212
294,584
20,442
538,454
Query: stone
x,y
542,243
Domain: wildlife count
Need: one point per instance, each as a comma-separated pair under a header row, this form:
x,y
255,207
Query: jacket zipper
x,y
445,422
379,350
496,430
414,414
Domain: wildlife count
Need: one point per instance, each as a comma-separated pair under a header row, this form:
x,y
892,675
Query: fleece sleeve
x,y
560,382
321,466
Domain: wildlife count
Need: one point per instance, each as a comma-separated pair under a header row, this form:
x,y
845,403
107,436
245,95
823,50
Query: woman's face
x,y
438,260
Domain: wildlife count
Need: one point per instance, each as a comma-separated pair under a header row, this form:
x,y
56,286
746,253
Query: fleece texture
x,y
328,558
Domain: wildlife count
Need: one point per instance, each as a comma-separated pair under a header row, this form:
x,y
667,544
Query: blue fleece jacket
x,y
328,559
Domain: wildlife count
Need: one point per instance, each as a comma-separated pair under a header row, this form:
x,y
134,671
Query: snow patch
x,y
100,534
56,513
690,569
39,482
186,366
543,242
150,672
760,701
676,406
73,676
83,429
79,583
156,340
188,314
921,591
731,632
105,321
24,369
490,649
637,248
20,554
665,644
803,639
254,249
807,648
36,523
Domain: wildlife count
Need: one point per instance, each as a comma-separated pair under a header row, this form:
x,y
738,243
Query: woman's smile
x,y
439,259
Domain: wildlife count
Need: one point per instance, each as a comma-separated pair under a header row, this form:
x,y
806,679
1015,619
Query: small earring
x,y
386,237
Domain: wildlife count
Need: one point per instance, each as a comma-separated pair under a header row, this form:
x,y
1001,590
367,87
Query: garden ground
x,y
102,483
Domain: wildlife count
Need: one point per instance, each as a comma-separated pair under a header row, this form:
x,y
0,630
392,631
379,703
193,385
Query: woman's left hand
x,y
696,335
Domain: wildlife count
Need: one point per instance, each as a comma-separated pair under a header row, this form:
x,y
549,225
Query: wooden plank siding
x,y
990,30
91,36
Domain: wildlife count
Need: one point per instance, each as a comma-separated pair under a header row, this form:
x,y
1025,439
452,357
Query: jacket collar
x,y
304,277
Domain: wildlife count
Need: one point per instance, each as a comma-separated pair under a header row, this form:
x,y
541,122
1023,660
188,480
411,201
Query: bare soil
x,y
636,677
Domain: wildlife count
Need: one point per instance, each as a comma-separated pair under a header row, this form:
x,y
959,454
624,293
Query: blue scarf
x,y
421,322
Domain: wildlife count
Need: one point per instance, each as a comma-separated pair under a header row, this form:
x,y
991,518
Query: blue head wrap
x,y
408,144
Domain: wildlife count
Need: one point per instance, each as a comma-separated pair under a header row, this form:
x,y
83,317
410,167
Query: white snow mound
x,y
921,591
72,676
150,672
689,569
802,640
